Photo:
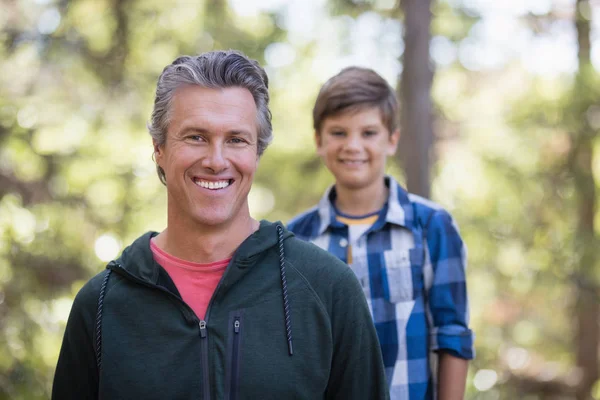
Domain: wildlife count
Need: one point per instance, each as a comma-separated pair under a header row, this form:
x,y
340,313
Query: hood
x,y
138,261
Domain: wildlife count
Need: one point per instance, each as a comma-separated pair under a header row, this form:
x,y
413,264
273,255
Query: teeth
x,y
212,185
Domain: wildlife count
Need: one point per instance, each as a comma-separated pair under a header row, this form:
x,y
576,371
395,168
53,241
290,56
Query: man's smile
x,y
213,185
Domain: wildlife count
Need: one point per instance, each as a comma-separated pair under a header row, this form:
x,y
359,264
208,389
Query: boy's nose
x,y
352,143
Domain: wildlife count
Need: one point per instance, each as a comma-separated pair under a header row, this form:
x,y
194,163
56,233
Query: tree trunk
x,y
415,97
586,305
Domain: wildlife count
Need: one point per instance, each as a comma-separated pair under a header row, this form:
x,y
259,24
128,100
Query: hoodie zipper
x,y
201,323
235,350
204,357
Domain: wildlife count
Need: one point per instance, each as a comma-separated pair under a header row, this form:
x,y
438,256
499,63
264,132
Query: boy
x,y
405,250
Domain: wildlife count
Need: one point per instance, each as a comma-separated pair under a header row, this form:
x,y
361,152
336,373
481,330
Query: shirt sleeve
x,y
448,304
76,375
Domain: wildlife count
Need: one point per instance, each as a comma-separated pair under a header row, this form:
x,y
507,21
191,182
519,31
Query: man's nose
x,y
215,158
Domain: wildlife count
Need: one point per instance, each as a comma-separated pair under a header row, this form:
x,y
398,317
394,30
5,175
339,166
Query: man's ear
x,y
394,139
158,152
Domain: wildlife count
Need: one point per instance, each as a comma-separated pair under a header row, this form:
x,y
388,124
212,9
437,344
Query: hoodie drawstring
x,y
99,321
286,305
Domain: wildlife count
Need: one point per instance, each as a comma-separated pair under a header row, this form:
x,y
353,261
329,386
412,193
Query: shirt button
x,y
343,242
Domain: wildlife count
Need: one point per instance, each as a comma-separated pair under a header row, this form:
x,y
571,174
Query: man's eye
x,y
237,140
195,138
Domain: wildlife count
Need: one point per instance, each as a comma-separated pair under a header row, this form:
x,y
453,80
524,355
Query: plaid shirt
x,y
411,265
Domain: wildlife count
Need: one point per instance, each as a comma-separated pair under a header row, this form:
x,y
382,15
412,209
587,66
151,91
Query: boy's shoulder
x,y
306,224
423,207
308,214
311,222
435,220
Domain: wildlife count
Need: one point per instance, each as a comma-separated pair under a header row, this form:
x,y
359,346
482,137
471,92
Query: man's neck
x,y
204,244
362,201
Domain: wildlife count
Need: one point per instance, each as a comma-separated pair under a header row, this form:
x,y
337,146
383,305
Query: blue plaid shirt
x,y
411,264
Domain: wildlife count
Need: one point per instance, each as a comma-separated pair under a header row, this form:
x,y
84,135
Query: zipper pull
x,y
202,329
236,326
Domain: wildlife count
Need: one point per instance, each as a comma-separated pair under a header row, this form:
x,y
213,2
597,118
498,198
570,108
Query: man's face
x,y
354,147
210,155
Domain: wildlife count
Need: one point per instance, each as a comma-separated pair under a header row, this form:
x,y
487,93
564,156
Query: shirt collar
x,y
400,211
326,211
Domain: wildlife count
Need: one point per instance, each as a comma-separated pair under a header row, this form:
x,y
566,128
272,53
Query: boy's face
x,y
354,147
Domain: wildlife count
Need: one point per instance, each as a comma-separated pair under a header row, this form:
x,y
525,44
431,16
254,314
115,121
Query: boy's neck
x,y
363,201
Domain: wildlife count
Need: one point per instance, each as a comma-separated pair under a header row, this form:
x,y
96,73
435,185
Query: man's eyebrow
x,y
191,129
242,132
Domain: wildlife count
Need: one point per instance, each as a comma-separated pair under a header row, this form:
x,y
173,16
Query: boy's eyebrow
x,y
370,127
334,127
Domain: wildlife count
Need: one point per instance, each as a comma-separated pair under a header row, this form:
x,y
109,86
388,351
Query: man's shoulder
x,y
89,292
302,251
85,304
313,262
331,281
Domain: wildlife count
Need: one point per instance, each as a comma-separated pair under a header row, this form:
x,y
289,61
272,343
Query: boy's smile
x,y
352,163
354,147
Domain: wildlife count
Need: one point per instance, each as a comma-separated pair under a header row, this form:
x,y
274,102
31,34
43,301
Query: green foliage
x,y
76,90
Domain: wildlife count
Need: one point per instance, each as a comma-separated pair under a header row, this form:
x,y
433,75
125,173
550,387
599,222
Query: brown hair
x,y
353,89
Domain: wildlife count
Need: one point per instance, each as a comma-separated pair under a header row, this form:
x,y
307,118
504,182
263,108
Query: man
x,y
218,305
405,250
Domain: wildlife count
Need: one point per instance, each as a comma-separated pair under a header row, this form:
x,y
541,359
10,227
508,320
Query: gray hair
x,y
214,69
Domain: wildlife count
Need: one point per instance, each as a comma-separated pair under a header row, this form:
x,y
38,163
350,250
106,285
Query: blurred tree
x,y
416,138
580,156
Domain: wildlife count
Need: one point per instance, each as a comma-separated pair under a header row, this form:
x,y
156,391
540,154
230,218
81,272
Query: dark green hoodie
x,y
152,346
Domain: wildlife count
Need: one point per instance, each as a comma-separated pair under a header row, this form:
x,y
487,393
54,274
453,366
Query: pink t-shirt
x,y
196,282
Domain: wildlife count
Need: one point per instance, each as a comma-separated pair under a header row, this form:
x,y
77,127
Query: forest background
x,y
500,111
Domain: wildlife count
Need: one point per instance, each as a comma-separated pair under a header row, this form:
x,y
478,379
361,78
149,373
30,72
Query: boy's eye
x,y
369,133
338,133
